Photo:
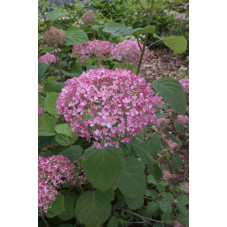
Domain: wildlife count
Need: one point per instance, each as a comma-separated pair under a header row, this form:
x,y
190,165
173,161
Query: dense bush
x,y
108,154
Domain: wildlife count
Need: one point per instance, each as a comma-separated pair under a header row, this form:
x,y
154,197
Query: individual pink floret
x,y
183,119
47,58
167,175
129,52
185,84
185,187
172,144
109,106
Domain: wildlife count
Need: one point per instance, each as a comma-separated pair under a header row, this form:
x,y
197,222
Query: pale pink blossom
x,y
185,187
104,104
39,88
47,58
167,175
172,144
185,84
183,119
40,111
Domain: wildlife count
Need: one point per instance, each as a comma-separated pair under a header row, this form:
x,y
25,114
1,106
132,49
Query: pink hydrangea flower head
x,y
52,172
47,58
177,224
88,17
39,88
54,37
109,106
98,48
185,187
129,52
185,84
158,101
183,119
167,175
172,144
40,111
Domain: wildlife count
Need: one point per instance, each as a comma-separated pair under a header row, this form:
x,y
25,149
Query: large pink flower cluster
x,y
98,48
109,106
129,52
47,58
185,84
53,172
183,119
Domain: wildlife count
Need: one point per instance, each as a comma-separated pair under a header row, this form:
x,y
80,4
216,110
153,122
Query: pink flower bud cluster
x,y
54,37
98,48
167,175
109,106
39,88
53,172
183,119
40,110
172,144
181,17
88,17
177,224
129,52
47,58
185,187
185,84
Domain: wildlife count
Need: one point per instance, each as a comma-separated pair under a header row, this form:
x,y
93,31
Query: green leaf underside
x,y
75,36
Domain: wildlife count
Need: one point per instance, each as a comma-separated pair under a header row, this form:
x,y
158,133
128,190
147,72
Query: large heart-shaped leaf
x,y
73,153
92,208
46,125
172,92
64,129
69,205
53,86
50,103
103,167
75,36
42,68
132,182
176,43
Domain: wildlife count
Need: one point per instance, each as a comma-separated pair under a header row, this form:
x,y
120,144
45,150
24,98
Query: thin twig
x,y
143,7
138,43
164,9
154,43
44,220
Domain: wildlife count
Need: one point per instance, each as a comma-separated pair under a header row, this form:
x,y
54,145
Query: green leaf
x,y
152,208
73,153
173,94
50,103
117,29
168,218
42,68
57,206
151,179
134,203
148,29
69,205
77,69
132,182
155,170
75,35
109,194
65,140
46,125
113,222
183,218
64,129
92,208
179,127
174,139
167,196
54,15
176,43
53,86
165,206
177,162
66,225
103,167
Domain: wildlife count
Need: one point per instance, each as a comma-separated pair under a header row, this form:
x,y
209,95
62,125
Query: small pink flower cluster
x,y
53,172
183,119
167,175
177,224
185,84
40,110
99,48
39,88
182,17
47,58
185,187
109,106
158,101
88,17
172,144
129,51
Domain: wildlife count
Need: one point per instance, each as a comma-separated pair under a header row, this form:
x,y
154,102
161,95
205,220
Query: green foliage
x,y
92,208
75,35
103,167
132,182
177,162
64,129
73,153
42,68
179,127
134,203
172,92
176,43
55,15
46,125
50,103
